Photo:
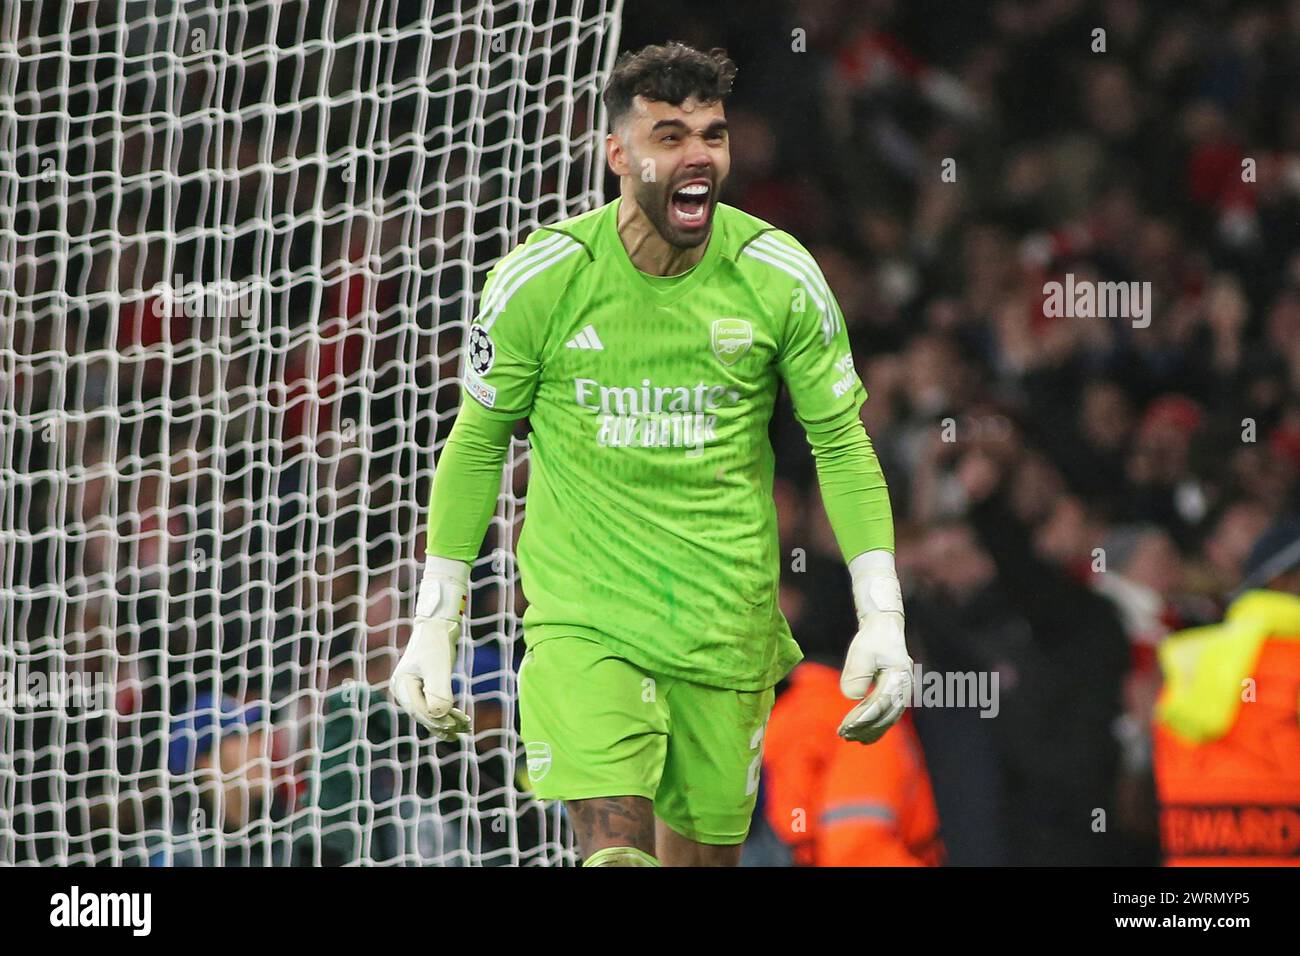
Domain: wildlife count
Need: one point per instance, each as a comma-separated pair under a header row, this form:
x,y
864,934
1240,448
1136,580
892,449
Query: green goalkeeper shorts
x,y
594,725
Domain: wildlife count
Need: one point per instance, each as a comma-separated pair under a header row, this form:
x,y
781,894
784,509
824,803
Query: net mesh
x,y
239,247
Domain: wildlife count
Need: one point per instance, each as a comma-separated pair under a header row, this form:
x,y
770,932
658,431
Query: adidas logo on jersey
x,y
586,339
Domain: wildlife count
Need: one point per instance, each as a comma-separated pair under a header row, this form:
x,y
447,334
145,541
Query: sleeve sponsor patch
x,y
483,393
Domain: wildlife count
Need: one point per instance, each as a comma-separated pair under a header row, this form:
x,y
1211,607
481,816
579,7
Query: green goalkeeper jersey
x,y
650,524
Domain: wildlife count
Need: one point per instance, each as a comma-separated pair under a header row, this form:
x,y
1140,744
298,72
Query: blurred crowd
x,y
1067,491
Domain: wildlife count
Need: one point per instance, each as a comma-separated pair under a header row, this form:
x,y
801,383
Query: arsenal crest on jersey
x,y
731,339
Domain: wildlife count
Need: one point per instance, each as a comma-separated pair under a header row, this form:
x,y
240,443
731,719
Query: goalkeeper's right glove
x,y
422,679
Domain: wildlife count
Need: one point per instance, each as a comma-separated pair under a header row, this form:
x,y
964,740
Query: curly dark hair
x,y
668,74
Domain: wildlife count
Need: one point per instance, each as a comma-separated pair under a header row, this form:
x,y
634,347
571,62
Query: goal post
x,y
240,244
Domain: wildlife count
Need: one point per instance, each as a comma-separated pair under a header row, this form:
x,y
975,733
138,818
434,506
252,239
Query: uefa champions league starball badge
x,y
481,350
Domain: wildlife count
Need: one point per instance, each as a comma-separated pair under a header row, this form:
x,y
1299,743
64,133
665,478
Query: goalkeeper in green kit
x,y
645,342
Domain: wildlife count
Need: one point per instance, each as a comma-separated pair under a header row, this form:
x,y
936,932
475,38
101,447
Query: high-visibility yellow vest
x,y
1227,737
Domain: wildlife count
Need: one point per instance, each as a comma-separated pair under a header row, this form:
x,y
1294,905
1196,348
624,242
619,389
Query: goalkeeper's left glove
x,y
878,654
421,681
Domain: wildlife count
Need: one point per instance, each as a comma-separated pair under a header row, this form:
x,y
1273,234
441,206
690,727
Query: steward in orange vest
x,y
1227,730
840,803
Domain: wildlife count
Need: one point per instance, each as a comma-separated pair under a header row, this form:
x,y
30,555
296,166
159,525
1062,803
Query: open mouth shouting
x,y
688,205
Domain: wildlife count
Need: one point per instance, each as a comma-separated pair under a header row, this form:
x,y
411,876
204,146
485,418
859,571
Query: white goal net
x,y
239,246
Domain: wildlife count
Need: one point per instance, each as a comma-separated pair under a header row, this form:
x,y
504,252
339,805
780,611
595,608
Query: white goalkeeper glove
x,y
422,679
878,654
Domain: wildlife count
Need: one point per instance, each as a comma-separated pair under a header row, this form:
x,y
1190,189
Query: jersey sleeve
x,y
465,484
814,357
816,363
503,355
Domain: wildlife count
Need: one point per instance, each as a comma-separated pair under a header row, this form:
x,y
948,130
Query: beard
x,y
654,199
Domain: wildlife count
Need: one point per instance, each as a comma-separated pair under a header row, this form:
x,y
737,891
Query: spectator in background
x,y
221,812
838,803
1142,574
352,782
1056,729
960,621
1228,545
1227,735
